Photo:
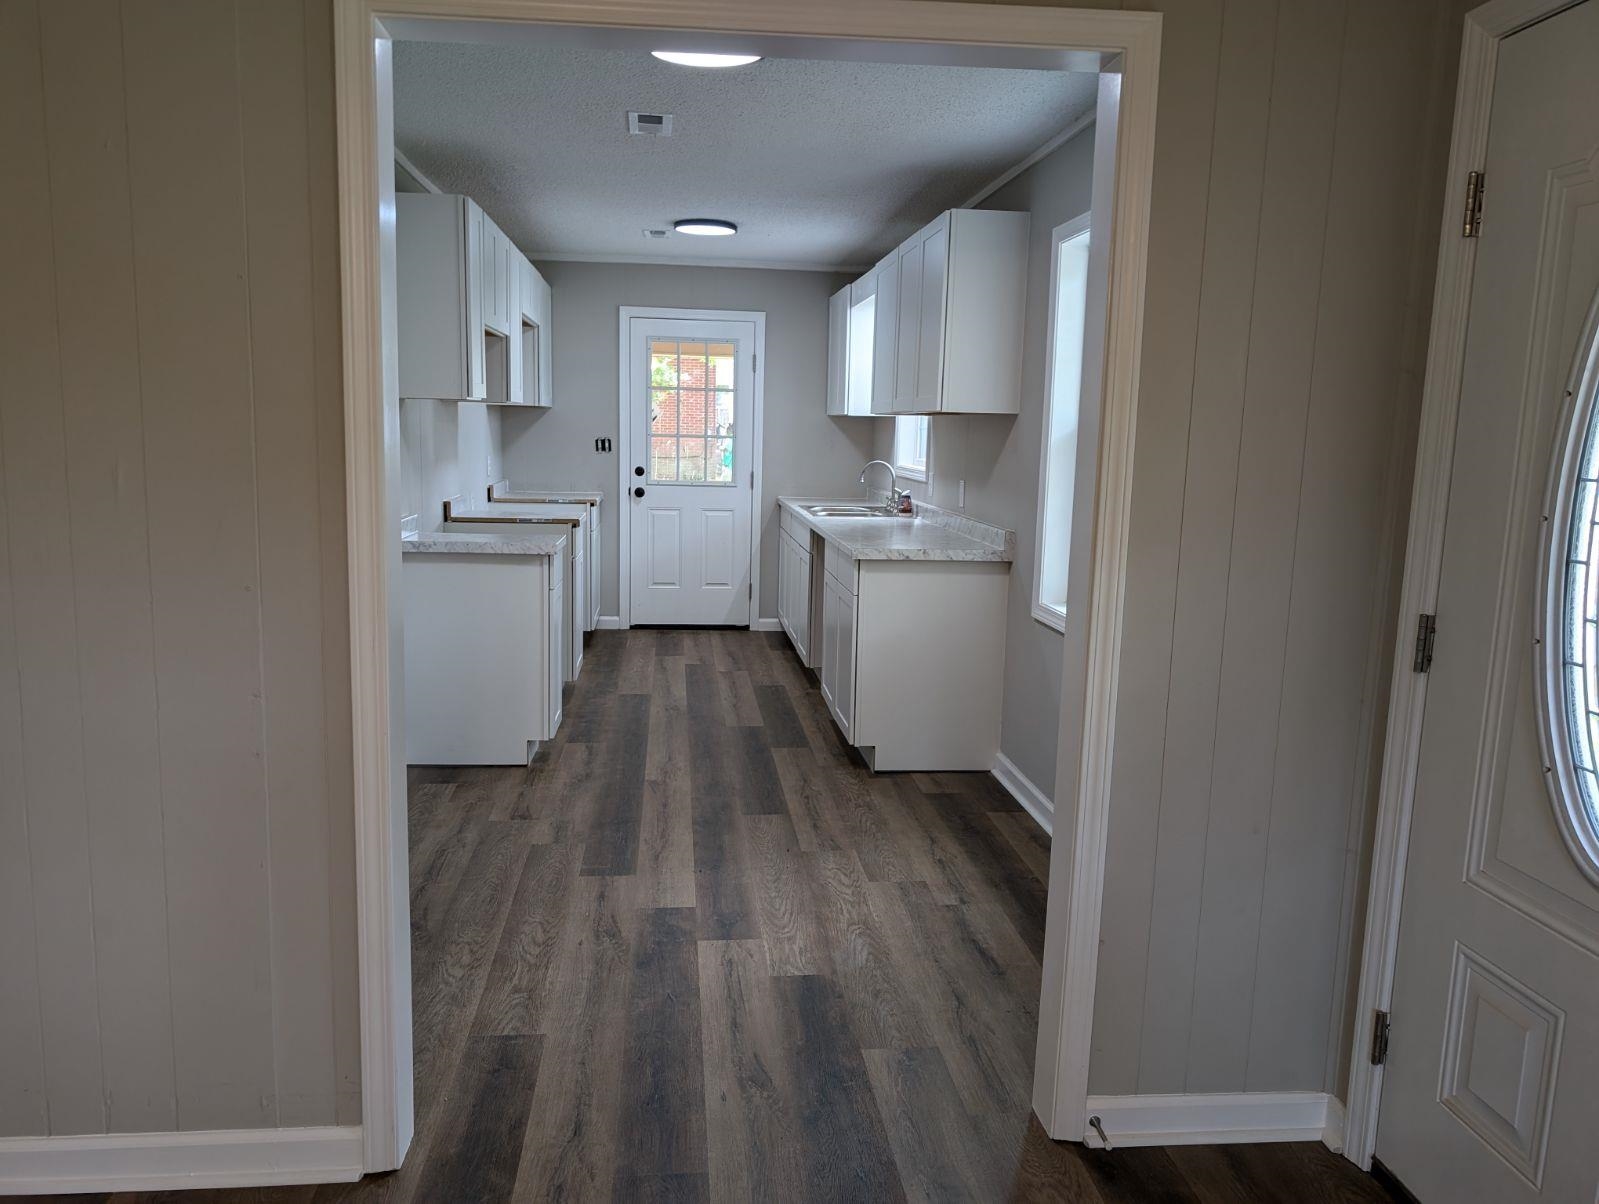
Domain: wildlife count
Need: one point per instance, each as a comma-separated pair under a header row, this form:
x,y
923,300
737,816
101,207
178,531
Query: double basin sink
x,y
847,510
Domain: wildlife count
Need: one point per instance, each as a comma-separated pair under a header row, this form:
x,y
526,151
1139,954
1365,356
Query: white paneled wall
x,y
1295,213
176,844
448,449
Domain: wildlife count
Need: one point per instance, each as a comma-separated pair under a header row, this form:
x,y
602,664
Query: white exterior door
x,y
690,417
1492,1081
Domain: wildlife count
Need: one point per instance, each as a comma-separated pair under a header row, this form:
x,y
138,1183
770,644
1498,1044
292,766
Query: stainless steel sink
x,y
832,510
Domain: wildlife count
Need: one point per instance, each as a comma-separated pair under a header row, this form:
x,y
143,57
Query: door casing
x,y
625,461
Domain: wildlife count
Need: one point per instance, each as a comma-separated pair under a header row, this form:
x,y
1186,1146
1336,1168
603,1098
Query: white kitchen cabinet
x,y
838,649
595,565
838,352
439,269
949,337
484,644
794,593
885,334
498,278
533,343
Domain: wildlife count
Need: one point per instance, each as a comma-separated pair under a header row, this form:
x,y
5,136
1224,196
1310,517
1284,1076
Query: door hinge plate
x,y
1379,1038
1471,224
1426,636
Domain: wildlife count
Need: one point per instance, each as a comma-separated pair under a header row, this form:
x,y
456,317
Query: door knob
x,y
639,492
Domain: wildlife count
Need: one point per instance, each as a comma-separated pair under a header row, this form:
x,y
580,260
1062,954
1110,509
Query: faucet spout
x,y
893,480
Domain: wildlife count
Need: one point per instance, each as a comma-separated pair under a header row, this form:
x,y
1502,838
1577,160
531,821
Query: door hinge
x,y
755,363
1426,634
1471,225
749,591
1379,1039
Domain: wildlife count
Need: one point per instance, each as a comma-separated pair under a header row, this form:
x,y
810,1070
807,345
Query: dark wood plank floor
x,y
698,952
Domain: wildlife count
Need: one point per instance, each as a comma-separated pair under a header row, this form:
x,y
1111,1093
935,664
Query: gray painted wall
x,y
997,456
177,862
806,451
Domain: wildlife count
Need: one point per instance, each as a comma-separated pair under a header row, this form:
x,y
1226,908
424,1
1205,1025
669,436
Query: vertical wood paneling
x,y
1190,37
42,587
185,149
104,497
272,90
1283,329
1230,238
1337,548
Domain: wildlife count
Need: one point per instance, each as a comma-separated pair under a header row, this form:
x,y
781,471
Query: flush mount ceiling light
x,y
713,227
704,58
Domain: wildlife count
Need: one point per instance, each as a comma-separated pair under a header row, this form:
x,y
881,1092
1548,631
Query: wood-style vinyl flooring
x,y
698,952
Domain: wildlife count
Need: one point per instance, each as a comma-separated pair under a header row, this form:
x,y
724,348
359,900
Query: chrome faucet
x,y
893,482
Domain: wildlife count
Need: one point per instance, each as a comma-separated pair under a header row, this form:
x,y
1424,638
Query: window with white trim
x,y
1068,303
910,446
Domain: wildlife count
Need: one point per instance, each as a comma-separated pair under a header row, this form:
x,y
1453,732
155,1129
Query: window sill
x,y
1050,616
910,474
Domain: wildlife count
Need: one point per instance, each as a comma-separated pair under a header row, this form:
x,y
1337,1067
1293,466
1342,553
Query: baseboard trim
x,y
767,625
116,1162
608,623
1037,804
1220,1119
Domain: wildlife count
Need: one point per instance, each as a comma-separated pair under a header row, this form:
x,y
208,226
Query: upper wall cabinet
x,y
440,259
473,312
949,314
838,351
533,345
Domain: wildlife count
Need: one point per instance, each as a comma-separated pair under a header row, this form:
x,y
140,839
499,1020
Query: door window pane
x,y
692,408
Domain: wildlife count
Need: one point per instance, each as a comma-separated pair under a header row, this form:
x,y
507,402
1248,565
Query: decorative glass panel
x,y
692,407
1569,700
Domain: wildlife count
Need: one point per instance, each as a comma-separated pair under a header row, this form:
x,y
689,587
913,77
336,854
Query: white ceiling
x,y
821,163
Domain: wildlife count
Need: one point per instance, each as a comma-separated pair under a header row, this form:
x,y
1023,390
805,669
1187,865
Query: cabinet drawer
x,y
793,527
840,566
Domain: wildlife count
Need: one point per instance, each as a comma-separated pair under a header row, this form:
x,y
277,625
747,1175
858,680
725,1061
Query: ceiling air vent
x,y
656,233
659,124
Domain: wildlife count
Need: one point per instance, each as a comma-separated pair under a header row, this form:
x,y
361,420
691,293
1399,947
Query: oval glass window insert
x,y
1570,636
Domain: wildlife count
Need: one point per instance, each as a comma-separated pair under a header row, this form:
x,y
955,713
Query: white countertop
x,y
532,539
931,534
531,511
584,497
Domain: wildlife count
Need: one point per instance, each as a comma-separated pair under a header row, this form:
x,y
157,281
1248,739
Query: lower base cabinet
x,y
910,654
485,650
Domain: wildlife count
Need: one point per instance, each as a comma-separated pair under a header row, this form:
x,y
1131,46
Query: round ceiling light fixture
x,y
712,227
705,58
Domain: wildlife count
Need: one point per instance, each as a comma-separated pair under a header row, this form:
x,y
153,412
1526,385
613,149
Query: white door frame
x,y
1485,27
1113,40
624,469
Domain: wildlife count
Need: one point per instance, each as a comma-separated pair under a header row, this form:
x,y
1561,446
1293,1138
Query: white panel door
x,y
691,405
1492,1080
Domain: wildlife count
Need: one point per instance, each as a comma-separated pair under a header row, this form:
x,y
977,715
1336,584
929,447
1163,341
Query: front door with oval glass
x,y
691,387
1492,1080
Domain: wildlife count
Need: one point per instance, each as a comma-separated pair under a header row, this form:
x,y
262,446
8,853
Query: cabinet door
x,y
930,319
577,607
555,649
885,335
785,583
844,674
908,329
838,351
517,384
595,566
472,289
829,665
546,342
800,606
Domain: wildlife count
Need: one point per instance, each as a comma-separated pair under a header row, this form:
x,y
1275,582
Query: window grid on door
x,y
692,390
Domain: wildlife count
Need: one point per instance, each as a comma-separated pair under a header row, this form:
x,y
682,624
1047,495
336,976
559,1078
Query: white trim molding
x,y
1221,1119
1124,153
1020,787
609,623
1485,28
118,1162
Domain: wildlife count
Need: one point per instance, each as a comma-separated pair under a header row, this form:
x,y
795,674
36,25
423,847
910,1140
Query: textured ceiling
x,y
819,163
